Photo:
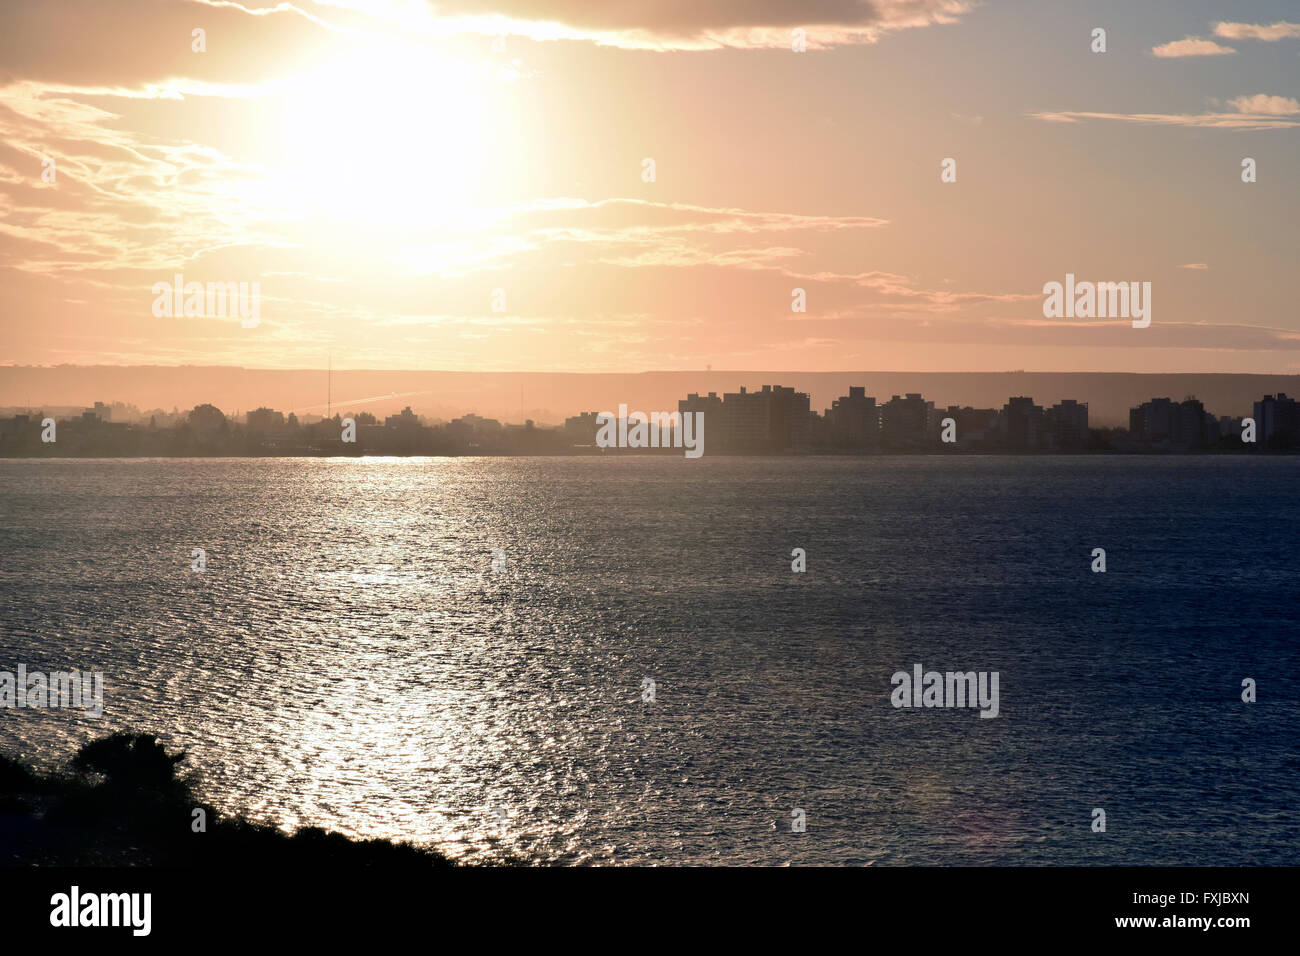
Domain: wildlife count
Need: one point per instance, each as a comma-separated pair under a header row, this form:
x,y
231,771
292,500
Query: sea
x,y
614,660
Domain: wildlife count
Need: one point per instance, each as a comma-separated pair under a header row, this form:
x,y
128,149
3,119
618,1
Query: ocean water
x,y
350,659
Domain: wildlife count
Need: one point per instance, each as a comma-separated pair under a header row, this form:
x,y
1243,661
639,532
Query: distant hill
x,y
549,397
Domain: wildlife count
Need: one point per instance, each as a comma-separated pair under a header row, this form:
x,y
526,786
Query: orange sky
x,y
463,185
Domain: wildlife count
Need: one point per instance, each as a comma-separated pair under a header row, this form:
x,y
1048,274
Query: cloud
x,y
1263,104
673,25
129,45
1191,46
643,216
120,200
1257,112
128,210
1253,31
1205,120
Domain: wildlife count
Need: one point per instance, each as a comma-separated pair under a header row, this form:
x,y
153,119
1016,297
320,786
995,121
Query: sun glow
x,y
394,139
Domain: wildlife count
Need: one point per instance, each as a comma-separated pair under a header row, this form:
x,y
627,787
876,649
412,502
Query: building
x,y
710,406
406,419
1190,429
1229,426
746,422
581,429
1067,424
1021,424
791,419
852,423
775,420
1163,421
975,427
905,422
1277,419
1152,421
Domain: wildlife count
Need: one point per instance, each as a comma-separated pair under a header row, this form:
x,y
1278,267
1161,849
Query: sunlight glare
x,y
397,137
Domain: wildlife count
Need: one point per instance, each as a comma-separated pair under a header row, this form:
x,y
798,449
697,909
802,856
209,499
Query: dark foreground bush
x,y
129,762
124,804
14,777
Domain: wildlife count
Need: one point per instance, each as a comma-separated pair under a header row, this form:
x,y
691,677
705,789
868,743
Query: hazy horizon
x,y
550,397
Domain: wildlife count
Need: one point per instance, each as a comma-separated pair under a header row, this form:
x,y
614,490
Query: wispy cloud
x,y
643,215
85,43
1254,31
1256,112
1191,46
720,24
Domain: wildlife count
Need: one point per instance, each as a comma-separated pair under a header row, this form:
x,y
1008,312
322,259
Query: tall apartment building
x,y
853,421
581,429
905,422
775,420
1164,421
975,426
1277,418
1067,423
1022,423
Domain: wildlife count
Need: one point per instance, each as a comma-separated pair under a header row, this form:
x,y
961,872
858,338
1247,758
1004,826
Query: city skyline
x,y
550,398
773,419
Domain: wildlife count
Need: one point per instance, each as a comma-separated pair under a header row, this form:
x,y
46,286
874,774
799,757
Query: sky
x,y
554,185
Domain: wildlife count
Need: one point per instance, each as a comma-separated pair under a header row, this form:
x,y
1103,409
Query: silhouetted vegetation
x,y
132,763
122,802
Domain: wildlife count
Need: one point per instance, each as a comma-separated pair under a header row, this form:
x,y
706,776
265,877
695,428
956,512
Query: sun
x,y
392,136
